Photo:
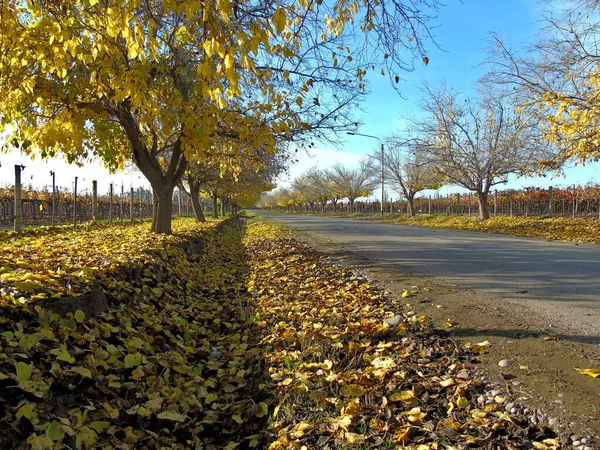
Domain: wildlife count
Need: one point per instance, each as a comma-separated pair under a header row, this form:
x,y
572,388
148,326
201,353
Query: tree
x,y
354,183
408,169
557,79
156,81
321,188
303,190
194,179
476,142
246,183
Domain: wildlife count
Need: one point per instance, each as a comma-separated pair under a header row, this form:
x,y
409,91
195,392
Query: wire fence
x,y
573,201
81,203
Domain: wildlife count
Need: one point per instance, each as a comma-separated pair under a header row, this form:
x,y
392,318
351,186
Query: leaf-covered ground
x,y
209,343
355,369
171,364
554,228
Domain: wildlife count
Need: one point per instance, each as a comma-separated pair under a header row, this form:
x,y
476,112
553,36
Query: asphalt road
x,y
559,281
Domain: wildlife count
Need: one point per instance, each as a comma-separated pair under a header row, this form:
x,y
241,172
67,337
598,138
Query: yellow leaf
x,y
79,316
446,383
132,52
85,439
229,61
354,439
279,19
99,426
383,362
405,293
404,396
26,411
462,402
55,431
171,415
132,360
402,435
23,371
299,101
300,429
42,442
377,424
594,373
263,409
353,390
85,373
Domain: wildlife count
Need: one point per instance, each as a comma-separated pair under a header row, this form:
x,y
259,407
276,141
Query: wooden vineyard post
x,y
94,201
131,205
179,202
18,225
52,220
574,201
75,203
110,205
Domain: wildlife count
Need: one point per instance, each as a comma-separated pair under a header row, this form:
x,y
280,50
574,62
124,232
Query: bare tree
x,y
555,78
476,143
407,168
354,183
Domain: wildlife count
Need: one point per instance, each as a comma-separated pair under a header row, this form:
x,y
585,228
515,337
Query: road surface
x,y
557,280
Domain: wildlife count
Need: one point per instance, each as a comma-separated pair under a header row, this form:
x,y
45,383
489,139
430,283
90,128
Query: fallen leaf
x,y
594,373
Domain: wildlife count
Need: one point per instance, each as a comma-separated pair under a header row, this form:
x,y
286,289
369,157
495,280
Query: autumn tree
x,y
408,169
156,81
352,183
320,186
194,179
217,176
557,79
476,142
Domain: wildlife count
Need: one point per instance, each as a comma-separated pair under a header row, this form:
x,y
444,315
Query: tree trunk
x,y
163,180
411,204
484,208
215,205
351,200
196,204
163,209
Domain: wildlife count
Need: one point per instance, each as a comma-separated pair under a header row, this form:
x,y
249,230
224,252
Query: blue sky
x,y
462,34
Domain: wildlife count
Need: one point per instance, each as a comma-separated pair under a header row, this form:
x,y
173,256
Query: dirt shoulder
x,y
543,377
